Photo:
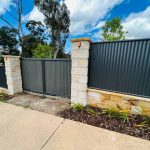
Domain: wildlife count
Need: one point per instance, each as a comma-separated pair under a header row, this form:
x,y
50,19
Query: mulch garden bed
x,y
131,127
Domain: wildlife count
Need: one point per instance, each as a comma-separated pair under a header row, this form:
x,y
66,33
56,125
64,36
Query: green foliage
x,y
117,114
78,107
113,30
2,97
36,36
112,113
43,51
93,112
37,30
145,123
8,40
57,18
29,43
124,115
146,120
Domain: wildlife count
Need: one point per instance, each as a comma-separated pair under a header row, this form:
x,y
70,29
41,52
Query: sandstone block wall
x,y
13,74
79,72
104,99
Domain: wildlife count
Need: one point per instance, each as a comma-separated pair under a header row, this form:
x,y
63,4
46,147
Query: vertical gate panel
x,y
32,75
58,77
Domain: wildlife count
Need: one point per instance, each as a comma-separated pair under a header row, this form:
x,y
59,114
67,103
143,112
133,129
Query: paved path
x,y
25,129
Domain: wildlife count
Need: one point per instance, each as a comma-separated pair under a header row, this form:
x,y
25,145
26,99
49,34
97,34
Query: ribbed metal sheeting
x,y
3,81
47,76
121,66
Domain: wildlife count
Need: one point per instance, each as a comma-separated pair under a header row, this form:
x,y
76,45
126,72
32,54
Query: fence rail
x,y
3,82
47,76
122,66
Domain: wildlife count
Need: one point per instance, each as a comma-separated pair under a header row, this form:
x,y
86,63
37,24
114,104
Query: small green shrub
x,y
117,114
124,115
112,113
78,107
146,118
93,112
146,121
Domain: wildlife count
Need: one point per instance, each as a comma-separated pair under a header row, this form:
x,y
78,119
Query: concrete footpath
x,y
25,129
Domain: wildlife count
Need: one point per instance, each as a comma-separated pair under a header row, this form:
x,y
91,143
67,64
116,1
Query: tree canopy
x,y
36,36
8,40
43,51
57,18
113,30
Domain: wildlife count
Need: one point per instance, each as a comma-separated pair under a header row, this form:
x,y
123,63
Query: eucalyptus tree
x,y
57,18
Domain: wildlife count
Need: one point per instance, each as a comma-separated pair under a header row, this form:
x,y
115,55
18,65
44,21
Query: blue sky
x,y
88,16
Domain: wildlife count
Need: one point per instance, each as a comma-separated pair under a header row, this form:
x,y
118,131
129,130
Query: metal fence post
x,y
43,76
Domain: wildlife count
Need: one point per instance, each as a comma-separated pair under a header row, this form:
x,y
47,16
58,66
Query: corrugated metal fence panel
x,y
3,81
47,76
32,75
58,77
122,66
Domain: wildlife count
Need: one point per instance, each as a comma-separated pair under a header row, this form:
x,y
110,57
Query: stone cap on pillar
x,y
81,40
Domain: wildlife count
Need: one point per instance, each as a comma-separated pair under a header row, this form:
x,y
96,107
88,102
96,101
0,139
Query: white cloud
x,y
5,4
35,14
138,24
84,13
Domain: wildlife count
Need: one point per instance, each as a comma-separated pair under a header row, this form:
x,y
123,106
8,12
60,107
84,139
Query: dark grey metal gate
x,y
47,76
3,81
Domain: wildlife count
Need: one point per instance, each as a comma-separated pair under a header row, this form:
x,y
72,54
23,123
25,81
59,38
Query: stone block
x,y
82,94
79,71
146,112
104,96
74,93
74,54
144,104
75,78
78,86
83,63
101,105
83,71
123,106
134,102
84,54
93,97
83,79
110,105
115,98
74,62
75,71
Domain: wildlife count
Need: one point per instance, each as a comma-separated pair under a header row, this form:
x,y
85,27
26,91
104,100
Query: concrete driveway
x,y
39,103
25,129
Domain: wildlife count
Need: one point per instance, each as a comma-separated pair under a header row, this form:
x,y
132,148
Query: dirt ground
x,y
39,103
